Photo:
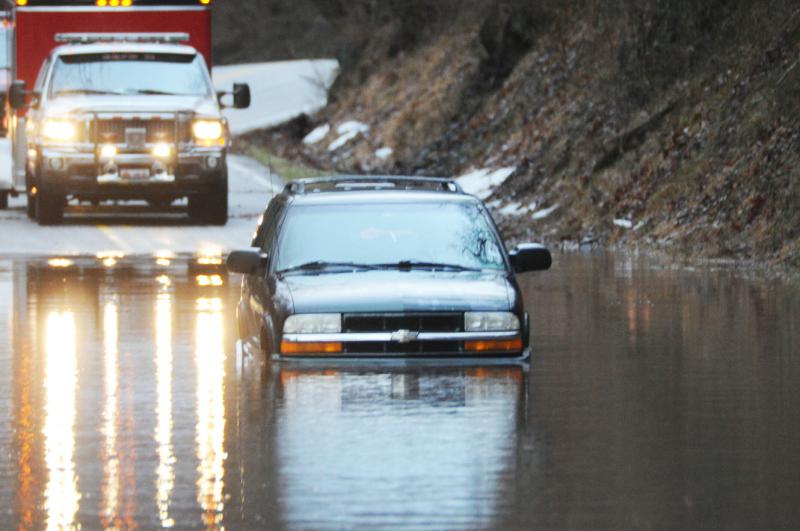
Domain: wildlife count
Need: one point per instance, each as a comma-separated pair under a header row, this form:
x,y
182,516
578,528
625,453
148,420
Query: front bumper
x,y
422,345
79,171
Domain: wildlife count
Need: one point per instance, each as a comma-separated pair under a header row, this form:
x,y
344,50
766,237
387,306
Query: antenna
x,y
271,173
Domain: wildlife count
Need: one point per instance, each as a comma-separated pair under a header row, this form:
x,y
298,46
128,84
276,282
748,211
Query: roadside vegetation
x,y
288,168
659,124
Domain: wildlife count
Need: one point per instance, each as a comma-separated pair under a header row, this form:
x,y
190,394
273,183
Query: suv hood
x,y
201,105
396,291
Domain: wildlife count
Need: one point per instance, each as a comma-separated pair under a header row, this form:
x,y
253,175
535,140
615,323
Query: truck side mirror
x,y
530,257
241,95
17,94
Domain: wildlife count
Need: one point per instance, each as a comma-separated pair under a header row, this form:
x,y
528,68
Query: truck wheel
x,y
49,208
3,200
211,208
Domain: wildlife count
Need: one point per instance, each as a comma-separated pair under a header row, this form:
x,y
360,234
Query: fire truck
x,y
112,100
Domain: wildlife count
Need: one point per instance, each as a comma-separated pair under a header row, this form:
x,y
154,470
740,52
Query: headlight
x,y
490,322
59,130
313,323
207,130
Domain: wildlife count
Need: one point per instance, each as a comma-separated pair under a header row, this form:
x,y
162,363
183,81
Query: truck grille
x,y
392,322
112,131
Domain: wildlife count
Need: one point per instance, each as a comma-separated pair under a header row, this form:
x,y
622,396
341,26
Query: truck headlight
x,y
313,323
490,322
59,130
207,130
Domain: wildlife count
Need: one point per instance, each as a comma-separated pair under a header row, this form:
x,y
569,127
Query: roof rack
x,y
91,38
351,183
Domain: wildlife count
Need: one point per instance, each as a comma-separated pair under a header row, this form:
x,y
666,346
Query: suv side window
x,y
265,234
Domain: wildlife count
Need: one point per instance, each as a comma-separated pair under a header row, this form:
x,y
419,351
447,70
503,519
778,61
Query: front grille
x,y
416,347
112,131
392,322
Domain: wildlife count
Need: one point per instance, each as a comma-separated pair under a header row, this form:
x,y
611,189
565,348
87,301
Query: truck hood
x,y
397,291
132,105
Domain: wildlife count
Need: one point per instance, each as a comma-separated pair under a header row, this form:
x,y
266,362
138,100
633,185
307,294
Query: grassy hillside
x,y
678,119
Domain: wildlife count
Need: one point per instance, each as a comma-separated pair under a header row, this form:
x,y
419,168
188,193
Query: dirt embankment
x,y
664,123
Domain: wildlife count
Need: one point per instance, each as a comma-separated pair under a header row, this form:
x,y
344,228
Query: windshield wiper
x,y
320,266
417,264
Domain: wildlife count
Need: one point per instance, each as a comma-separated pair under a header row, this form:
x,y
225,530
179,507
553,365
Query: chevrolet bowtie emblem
x,y
404,336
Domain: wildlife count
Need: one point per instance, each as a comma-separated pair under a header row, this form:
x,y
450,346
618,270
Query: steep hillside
x,y
665,123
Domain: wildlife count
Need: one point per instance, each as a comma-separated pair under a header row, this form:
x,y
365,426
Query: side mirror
x,y
17,94
241,95
249,262
530,257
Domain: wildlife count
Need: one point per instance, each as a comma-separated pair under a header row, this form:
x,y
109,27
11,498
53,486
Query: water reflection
x,y
210,360
110,430
61,493
165,473
426,447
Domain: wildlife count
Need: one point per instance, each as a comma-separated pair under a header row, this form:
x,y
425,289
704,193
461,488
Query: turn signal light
x,y
291,348
500,345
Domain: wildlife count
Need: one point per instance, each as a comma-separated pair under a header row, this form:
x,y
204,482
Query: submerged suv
x,y
121,117
377,267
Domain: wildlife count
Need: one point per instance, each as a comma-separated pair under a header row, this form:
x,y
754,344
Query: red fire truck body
x,y
38,23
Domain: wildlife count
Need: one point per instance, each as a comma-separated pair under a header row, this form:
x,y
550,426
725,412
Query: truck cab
x,y
126,117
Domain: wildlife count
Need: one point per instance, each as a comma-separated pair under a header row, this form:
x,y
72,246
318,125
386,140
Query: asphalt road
x,y
135,228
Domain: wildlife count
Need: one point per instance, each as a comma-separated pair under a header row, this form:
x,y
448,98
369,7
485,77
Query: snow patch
x,y
348,131
342,140
624,223
317,135
543,213
513,209
352,126
482,182
384,153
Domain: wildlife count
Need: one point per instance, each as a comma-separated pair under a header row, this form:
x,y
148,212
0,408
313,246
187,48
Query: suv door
x,y
256,290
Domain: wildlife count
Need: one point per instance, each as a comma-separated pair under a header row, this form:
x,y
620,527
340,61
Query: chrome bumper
x,y
410,345
388,337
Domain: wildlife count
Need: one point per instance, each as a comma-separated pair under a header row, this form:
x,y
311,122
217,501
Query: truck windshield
x,y
454,235
129,74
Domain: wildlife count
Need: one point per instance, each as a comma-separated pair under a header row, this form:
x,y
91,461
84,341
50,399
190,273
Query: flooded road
x,y
656,398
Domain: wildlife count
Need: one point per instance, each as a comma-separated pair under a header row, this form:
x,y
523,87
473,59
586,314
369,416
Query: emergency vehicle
x,y
113,101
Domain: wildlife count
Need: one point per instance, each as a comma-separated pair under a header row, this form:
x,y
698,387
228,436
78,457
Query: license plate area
x,y
134,174
135,137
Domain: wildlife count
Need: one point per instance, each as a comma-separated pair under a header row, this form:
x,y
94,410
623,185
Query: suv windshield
x,y
400,234
129,73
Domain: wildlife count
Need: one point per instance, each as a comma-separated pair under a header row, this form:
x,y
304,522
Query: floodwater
x,y
657,398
